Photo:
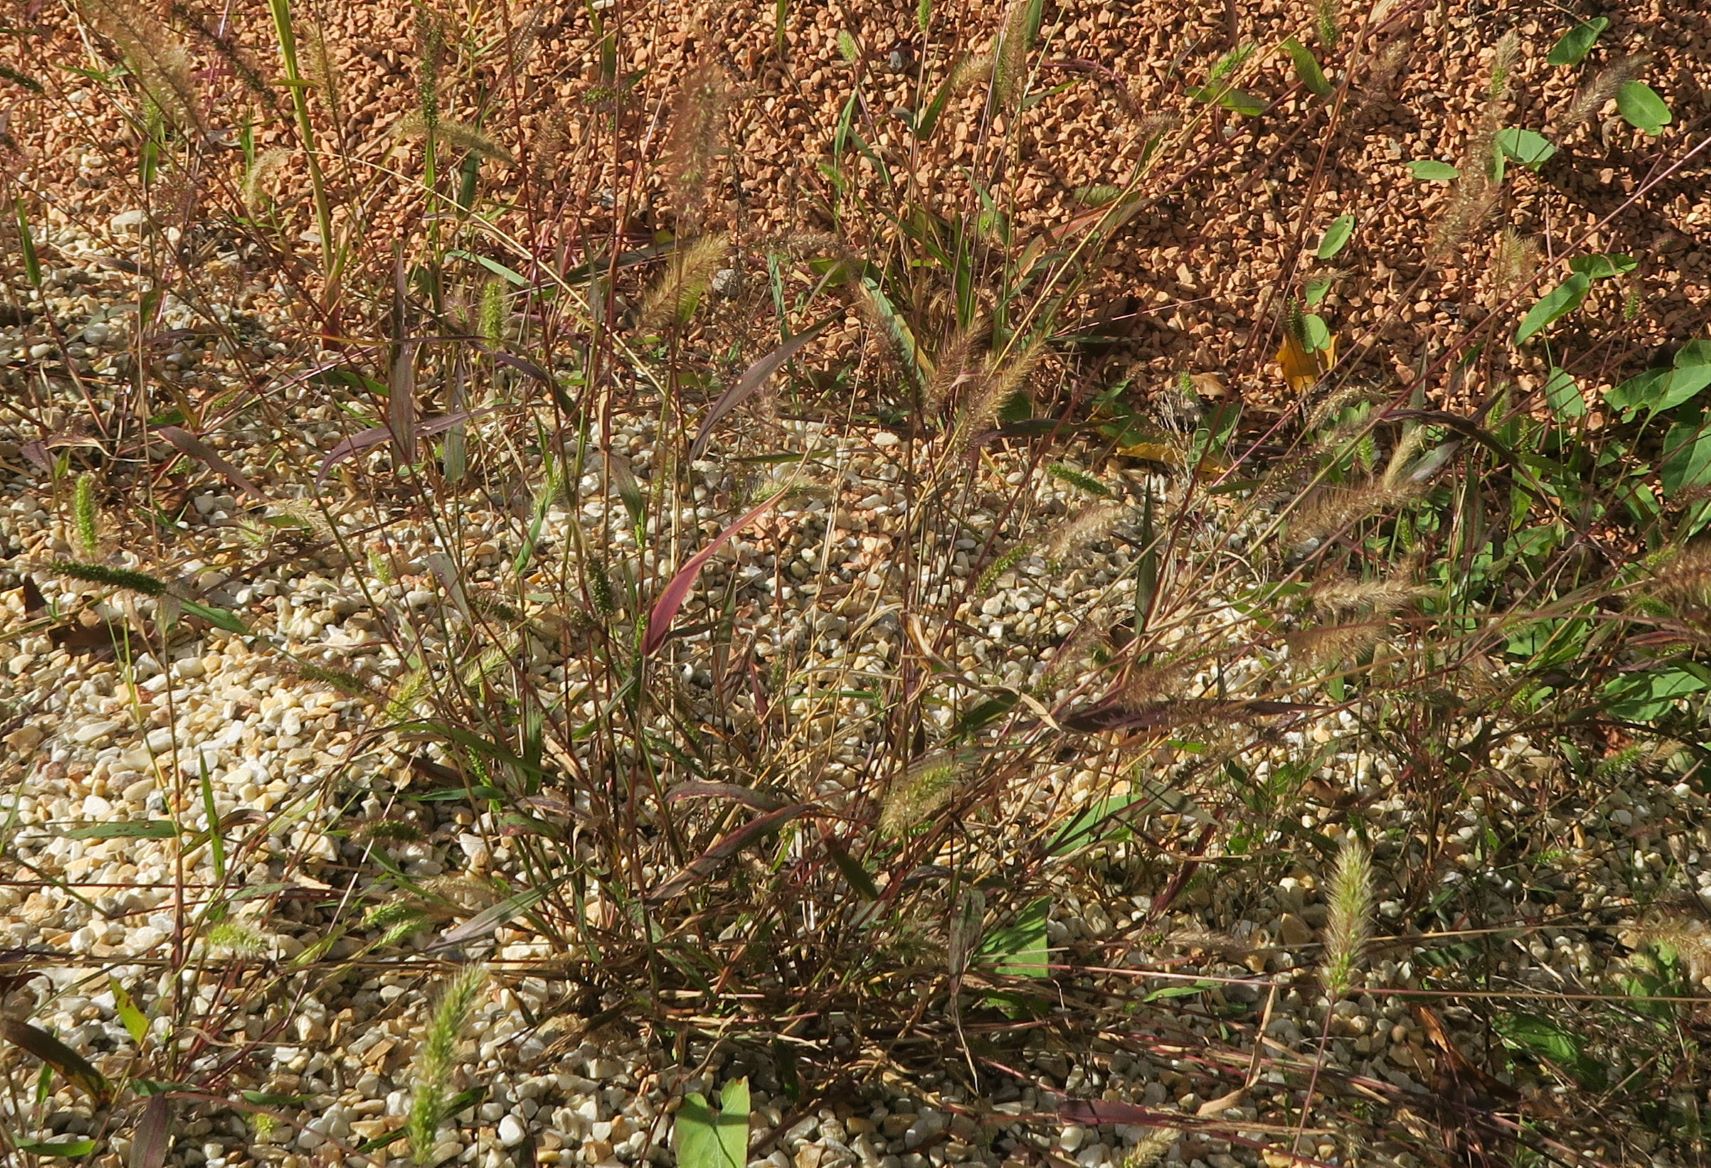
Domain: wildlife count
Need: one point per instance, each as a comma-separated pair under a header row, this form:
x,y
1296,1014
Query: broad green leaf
x,y
1572,47
1563,395
1642,108
1647,696
1527,147
1336,237
1019,950
1637,393
1657,390
1431,170
1602,266
1307,67
704,1138
136,1025
1316,333
1543,1038
1093,824
1557,303
1686,462
1315,290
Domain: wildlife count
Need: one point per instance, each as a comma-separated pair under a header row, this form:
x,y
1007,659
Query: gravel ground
x,y
328,1061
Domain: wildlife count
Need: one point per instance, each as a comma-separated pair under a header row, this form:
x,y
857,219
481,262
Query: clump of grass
x,y
436,1061
1348,926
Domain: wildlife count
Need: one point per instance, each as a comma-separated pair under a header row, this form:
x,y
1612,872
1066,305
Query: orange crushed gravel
x,y
1234,205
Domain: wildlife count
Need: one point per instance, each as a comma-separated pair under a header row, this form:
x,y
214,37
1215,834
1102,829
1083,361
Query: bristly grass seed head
x,y
417,124
86,515
923,789
1348,926
435,1062
694,142
679,292
1083,527
123,578
1601,87
1010,55
999,383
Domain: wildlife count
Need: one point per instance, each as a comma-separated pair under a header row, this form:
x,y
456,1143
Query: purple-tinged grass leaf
x,y
76,1069
676,591
152,1140
365,440
753,378
190,444
704,865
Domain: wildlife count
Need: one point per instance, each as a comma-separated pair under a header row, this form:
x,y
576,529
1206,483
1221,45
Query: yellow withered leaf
x,y
1301,364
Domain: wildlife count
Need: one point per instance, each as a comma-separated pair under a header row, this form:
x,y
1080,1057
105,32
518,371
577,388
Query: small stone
x,y
511,1131
26,737
1293,931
